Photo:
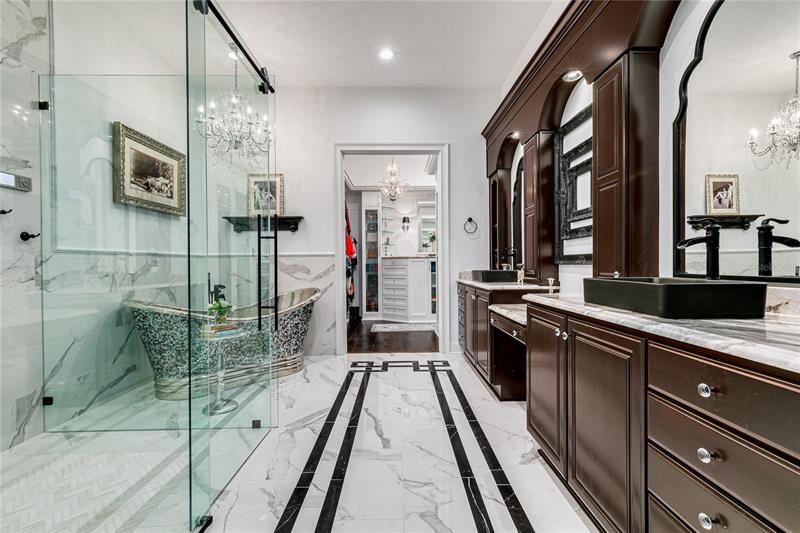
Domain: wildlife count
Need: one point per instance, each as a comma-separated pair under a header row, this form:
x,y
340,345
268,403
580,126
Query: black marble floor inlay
x,y
477,505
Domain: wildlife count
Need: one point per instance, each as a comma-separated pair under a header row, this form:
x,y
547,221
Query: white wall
x,y
312,120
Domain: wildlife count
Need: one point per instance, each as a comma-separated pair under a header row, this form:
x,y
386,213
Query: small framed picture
x,y
148,173
722,194
264,194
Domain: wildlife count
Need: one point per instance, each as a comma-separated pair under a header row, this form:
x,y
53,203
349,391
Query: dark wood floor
x,y
360,340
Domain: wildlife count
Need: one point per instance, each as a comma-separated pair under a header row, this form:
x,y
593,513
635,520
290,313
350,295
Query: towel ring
x,y
470,226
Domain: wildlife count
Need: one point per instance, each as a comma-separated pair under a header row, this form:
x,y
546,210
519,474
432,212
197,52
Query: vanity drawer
x,y
395,302
394,282
693,500
399,271
394,311
764,407
768,484
661,520
512,328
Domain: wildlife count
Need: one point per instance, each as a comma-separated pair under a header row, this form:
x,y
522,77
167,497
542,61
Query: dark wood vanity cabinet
x,y
625,167
584,411
547,385
539,213
660,436
481,328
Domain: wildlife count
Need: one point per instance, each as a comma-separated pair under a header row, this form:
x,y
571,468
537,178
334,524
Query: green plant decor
x,y
219,310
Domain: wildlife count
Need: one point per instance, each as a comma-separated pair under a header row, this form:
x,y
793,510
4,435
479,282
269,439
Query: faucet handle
x,y
766,221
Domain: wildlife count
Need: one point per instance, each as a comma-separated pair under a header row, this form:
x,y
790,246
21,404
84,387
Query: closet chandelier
x,y
783,141
392,186
231,126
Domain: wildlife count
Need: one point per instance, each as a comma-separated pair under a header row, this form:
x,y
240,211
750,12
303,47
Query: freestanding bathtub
x,y
246,355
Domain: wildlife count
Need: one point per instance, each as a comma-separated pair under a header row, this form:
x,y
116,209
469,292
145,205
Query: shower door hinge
x,y
203,522
43,105
47,400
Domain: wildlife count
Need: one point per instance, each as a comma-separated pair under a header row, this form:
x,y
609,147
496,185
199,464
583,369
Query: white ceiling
x,y
747,48
438,43
365,170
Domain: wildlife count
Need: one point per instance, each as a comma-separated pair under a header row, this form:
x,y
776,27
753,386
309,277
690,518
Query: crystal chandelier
x,y
231,126
392,186
783,142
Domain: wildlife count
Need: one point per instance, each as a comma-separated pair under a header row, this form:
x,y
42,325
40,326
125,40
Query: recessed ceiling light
x,y
572,75
386,54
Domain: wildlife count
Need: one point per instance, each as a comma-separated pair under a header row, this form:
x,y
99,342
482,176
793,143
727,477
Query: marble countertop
x,y
514,312
504,286
773,340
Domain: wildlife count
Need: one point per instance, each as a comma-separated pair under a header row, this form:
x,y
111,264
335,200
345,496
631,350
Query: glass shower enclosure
x,y
157,359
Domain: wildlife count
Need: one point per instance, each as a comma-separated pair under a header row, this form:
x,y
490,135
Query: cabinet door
x,y
419,288
605,432
608,171
469,322
482,332
546,384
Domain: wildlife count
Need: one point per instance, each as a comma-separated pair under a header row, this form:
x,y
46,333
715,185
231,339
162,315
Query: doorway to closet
x,y
391,252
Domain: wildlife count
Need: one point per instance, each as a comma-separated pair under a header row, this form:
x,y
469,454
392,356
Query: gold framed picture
x,y
148,173
722,194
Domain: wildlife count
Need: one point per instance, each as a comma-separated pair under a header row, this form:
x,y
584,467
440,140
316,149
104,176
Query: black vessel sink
x,y
494,276
679,297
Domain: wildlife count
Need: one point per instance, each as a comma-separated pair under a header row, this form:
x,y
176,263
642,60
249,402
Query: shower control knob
x,y
5,211
25,236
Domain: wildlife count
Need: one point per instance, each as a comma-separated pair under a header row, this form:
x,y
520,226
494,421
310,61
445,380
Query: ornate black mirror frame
x,y
567,211
678,150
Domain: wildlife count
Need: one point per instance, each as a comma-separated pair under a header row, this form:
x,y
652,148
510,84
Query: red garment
x,y
350,247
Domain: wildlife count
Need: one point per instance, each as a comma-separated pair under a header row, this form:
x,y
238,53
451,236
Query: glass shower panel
x,y
240,185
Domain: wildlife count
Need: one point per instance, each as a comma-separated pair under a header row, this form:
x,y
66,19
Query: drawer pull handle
x,y
473,296
707,522
564,335
706,456
492,320
515,333
558,332
705,390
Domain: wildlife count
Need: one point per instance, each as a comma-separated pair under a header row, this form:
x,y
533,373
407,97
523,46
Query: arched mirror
x,y
573,150
737,142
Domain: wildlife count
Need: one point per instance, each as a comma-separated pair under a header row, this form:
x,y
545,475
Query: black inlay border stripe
x,y
510,498
295,503
332,495
476,504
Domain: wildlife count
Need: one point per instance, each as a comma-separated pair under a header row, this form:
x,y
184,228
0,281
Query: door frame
x,y
442,150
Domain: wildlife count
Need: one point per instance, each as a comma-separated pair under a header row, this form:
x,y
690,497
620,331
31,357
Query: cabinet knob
x,y
707,522
558,332
564,335
473,296
491,320
706,456
616,273
704,390
514,333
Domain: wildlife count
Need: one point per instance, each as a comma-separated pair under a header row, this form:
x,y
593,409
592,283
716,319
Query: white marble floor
x,y
403,475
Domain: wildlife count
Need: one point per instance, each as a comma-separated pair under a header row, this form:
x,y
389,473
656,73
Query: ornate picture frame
x,y
722,194
148,173
265,194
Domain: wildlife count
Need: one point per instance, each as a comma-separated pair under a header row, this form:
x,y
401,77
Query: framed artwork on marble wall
x,y
264,194
148,173
722,194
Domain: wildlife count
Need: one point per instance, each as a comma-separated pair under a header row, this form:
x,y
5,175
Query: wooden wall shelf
x,y
725,221
285,223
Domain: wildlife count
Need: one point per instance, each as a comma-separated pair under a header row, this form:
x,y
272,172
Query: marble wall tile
x,y
24,28
298,271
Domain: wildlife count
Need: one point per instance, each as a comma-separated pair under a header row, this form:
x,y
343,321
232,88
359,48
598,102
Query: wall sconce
x,y
406,223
